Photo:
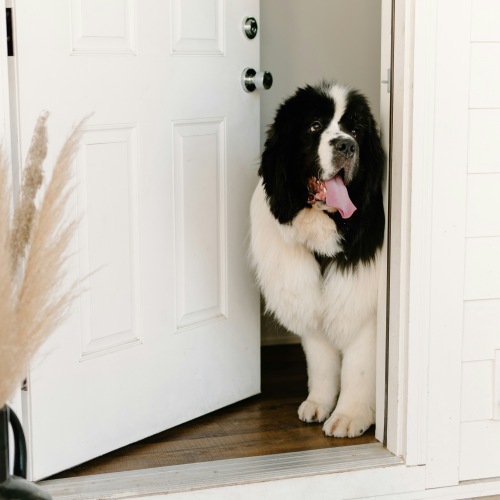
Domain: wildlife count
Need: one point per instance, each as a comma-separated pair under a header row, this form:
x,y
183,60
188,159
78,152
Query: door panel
x,y
108,239
199,166
167,327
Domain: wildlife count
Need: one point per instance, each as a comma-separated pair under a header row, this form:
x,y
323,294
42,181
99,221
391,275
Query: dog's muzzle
x,y
345,157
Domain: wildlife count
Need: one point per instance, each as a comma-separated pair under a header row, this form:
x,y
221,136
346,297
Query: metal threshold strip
x,y
197,476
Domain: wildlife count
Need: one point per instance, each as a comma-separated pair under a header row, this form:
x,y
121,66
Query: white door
x,y
168,327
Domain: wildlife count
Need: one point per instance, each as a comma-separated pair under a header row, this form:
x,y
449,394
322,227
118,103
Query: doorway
x,y
348,41
296,40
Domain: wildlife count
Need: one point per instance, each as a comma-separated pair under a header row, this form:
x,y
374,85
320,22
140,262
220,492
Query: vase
x,y
15,486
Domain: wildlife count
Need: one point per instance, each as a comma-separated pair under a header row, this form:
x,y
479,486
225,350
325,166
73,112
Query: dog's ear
x,y
273,169
372,160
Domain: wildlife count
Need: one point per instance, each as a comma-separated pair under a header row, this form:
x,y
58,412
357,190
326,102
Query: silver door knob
x,y
251,80
250,27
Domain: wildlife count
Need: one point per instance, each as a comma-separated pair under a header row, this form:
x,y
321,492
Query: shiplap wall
x,y
480,412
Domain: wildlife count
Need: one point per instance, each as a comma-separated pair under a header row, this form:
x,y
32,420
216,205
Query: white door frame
x,y
4,87
428,234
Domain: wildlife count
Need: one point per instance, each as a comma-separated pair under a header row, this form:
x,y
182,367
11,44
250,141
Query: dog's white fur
x,y
325,152
334,314
333,131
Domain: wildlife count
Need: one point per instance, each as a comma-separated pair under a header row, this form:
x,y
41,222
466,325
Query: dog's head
x,y
322,150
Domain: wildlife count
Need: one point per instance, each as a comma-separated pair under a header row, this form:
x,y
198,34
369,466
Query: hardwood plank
x,y
262,425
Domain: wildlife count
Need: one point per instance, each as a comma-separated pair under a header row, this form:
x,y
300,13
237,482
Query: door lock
x,y
251,80
250,27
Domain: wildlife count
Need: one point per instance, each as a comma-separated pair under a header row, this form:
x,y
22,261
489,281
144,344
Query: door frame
x,y
5,97
4,88
431,84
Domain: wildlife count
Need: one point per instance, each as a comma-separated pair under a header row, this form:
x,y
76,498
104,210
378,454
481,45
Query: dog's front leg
x,y
355,411
323,368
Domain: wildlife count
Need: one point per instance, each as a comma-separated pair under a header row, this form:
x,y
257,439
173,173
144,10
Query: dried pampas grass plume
x,y
32,180
33,296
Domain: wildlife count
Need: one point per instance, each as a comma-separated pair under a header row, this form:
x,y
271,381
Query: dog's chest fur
x,y
303,295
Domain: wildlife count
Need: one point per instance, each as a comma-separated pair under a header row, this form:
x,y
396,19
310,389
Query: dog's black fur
x,y
291,157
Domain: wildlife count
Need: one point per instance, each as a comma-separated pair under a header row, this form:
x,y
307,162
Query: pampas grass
x,y
32,180
33,250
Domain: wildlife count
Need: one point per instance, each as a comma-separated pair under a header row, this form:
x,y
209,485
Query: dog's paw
x,y
340,426
310,411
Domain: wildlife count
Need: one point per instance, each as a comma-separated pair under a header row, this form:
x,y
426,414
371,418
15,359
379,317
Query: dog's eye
x,y
315,126
354,133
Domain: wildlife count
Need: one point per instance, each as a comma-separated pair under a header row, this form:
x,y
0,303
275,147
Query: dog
x,y
317,227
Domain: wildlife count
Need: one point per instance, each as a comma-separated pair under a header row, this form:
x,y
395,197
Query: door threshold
x,y
188,477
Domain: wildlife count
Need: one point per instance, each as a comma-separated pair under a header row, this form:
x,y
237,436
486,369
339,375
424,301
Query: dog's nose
x,y
345,146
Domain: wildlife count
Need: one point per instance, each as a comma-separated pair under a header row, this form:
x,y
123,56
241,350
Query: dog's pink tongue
x,y
338,197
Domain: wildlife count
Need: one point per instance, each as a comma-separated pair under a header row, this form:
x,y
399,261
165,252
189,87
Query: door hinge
x,y
388,81
10,36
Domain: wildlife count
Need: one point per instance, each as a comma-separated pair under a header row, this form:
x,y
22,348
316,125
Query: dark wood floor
x,y
262,425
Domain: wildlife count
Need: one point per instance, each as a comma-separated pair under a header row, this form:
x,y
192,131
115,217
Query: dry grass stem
x,y
41,299
32,180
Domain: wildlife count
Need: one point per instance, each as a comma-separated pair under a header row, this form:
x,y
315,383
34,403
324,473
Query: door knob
x,y
250,27
251,80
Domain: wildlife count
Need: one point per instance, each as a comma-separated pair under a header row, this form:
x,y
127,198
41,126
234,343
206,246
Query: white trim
x,y
8,141
428,234
13,110
445,288
344,488
385,125
285,339
4,86
465,490
399,284
419,244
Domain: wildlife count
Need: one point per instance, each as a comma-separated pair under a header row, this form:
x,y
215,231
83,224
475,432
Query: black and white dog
x,y
317,220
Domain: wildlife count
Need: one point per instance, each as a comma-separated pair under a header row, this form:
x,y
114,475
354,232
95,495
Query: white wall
x,y
480,413
303,42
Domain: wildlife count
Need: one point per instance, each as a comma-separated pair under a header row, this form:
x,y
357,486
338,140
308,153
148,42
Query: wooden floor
x,y
262,425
